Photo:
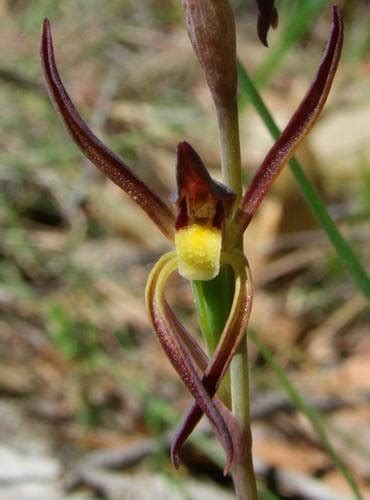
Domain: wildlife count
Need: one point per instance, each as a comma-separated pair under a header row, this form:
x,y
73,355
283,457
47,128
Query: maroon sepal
x,y
102,157
298,127
231,338
193,417
178,350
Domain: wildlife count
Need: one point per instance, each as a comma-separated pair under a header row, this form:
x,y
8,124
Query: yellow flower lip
x,y
198,249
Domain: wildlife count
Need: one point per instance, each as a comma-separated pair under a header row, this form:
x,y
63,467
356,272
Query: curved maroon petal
x,y
230,340
201,360
267,18
197,353
298,127
102,157
178,355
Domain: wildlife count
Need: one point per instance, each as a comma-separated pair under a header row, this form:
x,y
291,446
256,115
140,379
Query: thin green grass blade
x,y
301,16
345,253
313,415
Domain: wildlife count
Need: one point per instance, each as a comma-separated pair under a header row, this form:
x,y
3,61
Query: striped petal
x,y
231,338
298,127
177,353
102,157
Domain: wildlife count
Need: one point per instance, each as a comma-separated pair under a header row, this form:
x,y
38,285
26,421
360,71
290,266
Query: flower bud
x,y
211,29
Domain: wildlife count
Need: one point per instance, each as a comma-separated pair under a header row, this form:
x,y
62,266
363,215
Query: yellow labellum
x,y
198,249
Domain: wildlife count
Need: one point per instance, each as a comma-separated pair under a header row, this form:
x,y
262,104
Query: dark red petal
x,y
298,127
267,18
201,360
102,157
186,339
231,338
163,323
195,184
191,420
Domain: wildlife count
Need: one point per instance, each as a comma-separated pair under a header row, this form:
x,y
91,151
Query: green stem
x,y
212,312
228,126
214,299
242,472
341,246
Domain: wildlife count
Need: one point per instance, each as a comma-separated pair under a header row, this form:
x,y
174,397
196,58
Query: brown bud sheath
x,y
211,28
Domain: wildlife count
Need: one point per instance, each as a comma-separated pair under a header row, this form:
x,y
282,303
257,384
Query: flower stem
x,y
213,300
242,472
228,126
211,28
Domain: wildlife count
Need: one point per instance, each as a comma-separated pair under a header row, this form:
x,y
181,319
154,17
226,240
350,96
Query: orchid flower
x,y
205,222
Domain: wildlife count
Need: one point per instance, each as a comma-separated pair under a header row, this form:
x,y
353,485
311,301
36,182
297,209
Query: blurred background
x,y
88,400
